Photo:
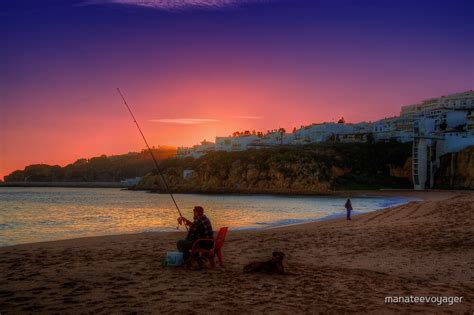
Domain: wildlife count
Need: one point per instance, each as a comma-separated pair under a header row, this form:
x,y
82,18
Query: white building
x,y
224,144
196,151
459,101
439,131
321,132
235,143
362,127
436,126
410,111
384,126
456,101
444,125
455,141
392,129
456,119
273,139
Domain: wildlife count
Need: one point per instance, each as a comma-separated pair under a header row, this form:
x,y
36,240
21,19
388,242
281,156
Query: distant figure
x,y
200,228
348,208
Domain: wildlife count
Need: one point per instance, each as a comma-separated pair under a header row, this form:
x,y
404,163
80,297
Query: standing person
x,y
348,208
199,228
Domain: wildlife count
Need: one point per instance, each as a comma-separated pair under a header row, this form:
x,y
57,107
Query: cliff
x,y
457,170
309,169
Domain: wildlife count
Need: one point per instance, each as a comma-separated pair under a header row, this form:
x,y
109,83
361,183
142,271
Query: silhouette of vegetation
x,y
97,169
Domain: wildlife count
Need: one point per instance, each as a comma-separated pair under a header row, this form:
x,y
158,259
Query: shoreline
x,y
268,226
420,195
387,252
429,194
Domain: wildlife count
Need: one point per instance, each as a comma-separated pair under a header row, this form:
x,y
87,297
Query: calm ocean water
x,y
43,214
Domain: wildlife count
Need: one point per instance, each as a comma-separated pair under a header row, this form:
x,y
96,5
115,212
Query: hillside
x,y
308,169
97,169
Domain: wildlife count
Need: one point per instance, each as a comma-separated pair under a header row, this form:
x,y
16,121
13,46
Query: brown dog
x,y
275,265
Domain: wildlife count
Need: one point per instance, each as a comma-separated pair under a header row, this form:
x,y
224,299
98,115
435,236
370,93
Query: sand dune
x,y
421,249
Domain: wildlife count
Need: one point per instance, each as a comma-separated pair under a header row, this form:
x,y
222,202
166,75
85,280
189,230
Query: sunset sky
x,y
194,69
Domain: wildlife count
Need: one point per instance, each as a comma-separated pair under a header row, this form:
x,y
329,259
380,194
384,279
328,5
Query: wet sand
x,y
420,248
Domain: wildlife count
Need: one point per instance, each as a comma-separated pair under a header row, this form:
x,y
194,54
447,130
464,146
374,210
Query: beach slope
x,y
417,249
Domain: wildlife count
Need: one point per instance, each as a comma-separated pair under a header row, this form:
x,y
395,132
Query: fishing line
x,y
152,156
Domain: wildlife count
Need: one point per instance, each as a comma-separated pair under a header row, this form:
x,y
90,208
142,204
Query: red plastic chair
x,y
216,250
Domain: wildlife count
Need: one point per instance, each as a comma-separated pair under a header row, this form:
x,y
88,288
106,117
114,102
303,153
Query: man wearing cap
x,y
199,228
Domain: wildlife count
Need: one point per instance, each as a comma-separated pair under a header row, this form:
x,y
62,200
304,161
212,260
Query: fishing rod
x,y
153,157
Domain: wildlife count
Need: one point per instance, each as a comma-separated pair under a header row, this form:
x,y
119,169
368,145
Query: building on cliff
x,y
321,132
441,126
196,151
436,126
239,142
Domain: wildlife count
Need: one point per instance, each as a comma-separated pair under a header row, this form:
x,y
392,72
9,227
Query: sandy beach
x,y
418,249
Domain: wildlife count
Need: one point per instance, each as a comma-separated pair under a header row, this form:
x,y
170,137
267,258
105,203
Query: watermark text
x,y
410,299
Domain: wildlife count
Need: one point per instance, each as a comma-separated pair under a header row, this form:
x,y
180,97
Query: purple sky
x,y
195,69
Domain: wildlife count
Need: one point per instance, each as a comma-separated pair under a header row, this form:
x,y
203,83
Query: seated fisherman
x,y
200,228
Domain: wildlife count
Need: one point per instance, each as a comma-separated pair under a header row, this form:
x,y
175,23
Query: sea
x,y
30,215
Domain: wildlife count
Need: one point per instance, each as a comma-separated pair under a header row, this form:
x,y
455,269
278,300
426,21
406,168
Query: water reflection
x,y
42,214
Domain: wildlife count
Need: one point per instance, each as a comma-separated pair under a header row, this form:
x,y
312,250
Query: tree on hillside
x,y
101,168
